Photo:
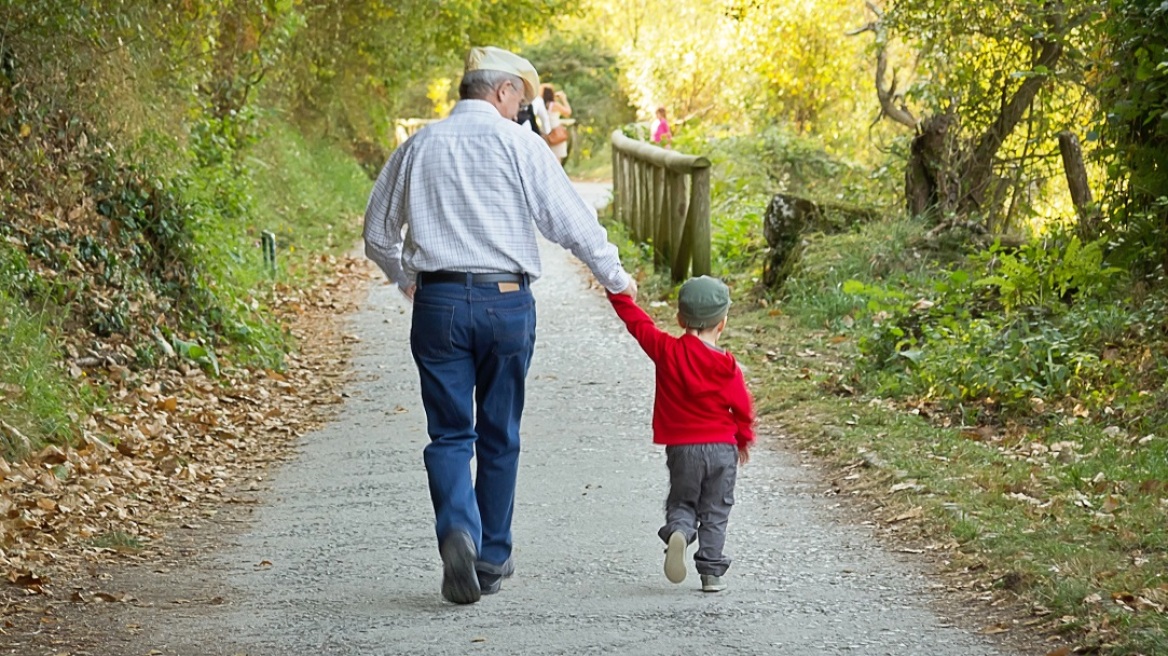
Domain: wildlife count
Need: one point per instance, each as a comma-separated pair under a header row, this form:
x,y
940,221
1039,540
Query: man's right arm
x,y
384,220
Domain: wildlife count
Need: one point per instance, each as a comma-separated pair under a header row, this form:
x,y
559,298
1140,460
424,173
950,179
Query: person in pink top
x,y
703,414
662,136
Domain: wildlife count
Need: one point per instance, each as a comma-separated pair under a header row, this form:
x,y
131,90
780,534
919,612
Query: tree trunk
x,y
925,185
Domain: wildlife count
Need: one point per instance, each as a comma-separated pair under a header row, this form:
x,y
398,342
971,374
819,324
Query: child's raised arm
x,y
651,338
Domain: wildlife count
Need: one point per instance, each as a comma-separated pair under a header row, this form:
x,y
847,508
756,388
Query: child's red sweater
x,y
701,395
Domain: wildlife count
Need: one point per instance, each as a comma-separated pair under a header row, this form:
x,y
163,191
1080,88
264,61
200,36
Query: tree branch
x,y
886,95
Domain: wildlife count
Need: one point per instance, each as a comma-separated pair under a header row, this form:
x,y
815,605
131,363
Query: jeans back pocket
x,y
513,328
431,331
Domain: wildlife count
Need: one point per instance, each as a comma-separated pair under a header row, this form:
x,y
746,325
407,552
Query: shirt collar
x,y
475,106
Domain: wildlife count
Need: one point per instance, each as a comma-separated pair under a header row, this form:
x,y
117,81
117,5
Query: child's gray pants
x,y
701,493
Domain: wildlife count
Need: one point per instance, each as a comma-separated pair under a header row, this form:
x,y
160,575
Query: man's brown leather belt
x,y
431,277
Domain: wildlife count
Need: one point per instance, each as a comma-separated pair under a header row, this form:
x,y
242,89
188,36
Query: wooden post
x,y
681,237
630,195
698,222
626,195
657,175
1076,173
647,223
664,245
616,186
635,200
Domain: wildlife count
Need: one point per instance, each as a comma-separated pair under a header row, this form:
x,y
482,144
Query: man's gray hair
x,y
480,84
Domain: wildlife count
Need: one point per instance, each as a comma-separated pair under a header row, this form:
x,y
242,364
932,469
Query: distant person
x,y
662,135
453,220
526,118
703,414
557,108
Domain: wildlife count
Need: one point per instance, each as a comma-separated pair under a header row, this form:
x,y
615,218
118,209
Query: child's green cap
x,y
703,301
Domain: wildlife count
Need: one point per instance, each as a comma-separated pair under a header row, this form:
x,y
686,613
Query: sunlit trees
x,y
994,83
740,63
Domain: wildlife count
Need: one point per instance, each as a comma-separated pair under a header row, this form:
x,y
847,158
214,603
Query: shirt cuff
x,y
619,282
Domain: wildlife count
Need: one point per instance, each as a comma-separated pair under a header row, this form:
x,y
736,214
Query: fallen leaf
x,y
914,513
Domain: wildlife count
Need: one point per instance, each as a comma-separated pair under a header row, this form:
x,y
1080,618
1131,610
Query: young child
x,y
662,135
702,414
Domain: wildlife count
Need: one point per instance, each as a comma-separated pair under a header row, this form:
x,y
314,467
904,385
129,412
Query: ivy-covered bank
x,y
148,151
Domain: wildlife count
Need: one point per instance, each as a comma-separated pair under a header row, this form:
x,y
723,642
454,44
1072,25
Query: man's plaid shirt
x,y
472,189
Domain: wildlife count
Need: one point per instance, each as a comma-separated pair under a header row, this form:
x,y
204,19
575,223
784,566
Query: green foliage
x,y
1134,93
1036,274
748,170
307,190
823,290
1037,328
585,69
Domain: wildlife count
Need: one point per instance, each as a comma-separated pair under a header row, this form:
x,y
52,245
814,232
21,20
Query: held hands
x,y
631,290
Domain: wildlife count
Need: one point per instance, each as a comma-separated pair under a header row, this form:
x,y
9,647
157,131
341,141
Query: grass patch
x,y
310,193
39,404
1068,517
118,541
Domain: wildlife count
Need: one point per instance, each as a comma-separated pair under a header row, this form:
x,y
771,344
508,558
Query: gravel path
x,y
354,568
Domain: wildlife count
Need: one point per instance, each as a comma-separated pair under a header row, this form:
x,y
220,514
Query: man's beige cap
x,y
489,58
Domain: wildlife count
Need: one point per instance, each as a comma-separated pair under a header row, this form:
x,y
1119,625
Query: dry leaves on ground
x,y
178,444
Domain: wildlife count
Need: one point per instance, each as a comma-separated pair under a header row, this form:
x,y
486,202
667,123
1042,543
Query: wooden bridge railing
x,y
650,197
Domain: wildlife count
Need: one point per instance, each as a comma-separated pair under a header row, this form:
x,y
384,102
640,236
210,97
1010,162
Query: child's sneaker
x,y
675,557
711,583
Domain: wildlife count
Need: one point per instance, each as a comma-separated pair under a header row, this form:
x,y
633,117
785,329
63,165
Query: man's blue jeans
x,y
473,345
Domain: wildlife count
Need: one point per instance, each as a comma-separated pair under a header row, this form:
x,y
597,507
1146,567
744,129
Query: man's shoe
x,y
675,557
491,576
711,583
460,584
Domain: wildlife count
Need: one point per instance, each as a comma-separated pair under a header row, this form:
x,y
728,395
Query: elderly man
x,y
470,192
